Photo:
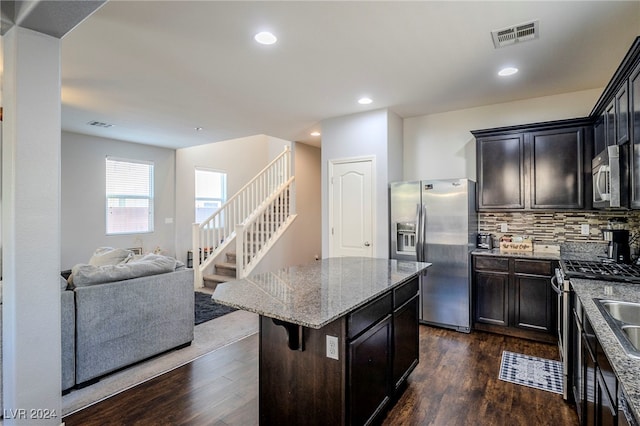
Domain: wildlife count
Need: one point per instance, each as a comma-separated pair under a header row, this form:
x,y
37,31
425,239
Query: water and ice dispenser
x,y
406,237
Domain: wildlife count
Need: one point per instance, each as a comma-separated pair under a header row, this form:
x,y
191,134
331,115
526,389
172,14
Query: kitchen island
x,y
338,337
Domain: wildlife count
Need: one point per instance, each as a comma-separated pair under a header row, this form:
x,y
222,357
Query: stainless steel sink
x,y
626,312
633,334
624,320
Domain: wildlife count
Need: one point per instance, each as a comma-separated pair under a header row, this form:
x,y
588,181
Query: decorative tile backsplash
x,y
555,227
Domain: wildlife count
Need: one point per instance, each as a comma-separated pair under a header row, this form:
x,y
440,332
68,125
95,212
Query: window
x,y
129,196
211,193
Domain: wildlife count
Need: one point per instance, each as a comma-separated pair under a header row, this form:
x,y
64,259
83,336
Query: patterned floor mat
x,y
531,371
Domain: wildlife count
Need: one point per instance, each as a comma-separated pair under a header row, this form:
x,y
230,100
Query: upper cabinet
x,y
622,114
634,118
539,166
557,164
616,117
500,171
609,124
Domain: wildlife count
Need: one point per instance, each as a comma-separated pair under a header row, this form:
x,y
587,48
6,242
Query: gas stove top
x,y
606,271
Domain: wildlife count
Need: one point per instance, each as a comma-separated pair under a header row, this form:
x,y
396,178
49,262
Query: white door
x,y
351,224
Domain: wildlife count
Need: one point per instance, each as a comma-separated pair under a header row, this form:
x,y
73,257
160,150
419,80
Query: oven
x,y
561,287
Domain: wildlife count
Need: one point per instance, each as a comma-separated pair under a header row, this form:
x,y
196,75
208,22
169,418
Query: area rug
x,y
538,373
206,309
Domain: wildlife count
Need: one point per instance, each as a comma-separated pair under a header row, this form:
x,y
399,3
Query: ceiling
x,y
156,70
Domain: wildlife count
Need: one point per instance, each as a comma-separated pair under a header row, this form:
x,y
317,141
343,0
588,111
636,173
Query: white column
x,y
31,228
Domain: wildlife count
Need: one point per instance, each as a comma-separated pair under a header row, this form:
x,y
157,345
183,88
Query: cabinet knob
x,y
366,244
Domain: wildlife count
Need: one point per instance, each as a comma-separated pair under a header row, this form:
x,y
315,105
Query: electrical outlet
x,y
584,229
504,227
332,347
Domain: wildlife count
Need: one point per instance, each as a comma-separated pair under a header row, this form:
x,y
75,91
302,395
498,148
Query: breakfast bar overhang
x,y
338,337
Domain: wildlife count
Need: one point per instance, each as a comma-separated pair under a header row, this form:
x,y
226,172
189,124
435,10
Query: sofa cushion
x,y
150,264
109,256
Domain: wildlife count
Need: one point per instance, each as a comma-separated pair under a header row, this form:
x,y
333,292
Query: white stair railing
x,y
262,229
213,235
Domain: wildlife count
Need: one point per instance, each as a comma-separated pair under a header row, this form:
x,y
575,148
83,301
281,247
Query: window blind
x,y
129,196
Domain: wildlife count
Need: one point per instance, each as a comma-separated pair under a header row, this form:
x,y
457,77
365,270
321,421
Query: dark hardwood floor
x,y
456,383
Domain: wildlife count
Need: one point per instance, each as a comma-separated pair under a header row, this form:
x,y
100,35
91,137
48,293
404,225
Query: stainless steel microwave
x,y
610,173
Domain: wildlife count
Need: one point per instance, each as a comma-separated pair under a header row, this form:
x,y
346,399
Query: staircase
x,y
251,222
222,272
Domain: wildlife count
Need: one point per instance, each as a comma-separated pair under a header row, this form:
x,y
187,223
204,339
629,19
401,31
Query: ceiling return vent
x,y
515,34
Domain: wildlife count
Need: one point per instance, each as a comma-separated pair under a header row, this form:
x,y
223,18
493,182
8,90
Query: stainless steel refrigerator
x,y
436,221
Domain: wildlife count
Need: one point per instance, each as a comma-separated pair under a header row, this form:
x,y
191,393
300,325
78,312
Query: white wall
x,y
302,241
440,146
370,133
83,197
240,158
395,147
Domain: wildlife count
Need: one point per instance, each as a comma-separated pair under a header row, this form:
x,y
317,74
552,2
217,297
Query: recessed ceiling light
x,y
364,101
507,71
198,128
265,37
315,133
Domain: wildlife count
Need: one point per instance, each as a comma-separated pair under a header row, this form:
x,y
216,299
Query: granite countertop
x,y
317,293
627,369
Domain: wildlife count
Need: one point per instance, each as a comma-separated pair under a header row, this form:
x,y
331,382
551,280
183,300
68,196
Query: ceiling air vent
x,y
100,124
515,34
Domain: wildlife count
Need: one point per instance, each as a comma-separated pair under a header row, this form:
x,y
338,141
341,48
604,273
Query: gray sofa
x,y
68,325
122,322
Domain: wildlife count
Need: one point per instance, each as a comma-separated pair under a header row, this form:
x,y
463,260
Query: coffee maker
x,y
619,249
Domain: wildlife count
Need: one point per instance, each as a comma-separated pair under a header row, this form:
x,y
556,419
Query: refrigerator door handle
x,y
423,232
418,234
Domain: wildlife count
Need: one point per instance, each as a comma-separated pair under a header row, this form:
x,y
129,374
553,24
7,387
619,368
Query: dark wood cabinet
x,y
595,385
610,124
557,168
538,166
616,116
405,341
532,310
622,115
492,298
383,351
501,172
599,140
514,296
369,370
589,402
634,116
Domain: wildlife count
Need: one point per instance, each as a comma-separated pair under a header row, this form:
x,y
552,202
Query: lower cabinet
x,y
405,341
531,307
491,294
369,370
382,354
595,385
514,296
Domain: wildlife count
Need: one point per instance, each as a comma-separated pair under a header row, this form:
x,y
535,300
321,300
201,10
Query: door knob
x,y
366,244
